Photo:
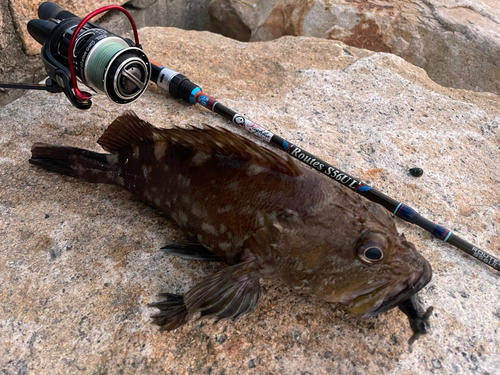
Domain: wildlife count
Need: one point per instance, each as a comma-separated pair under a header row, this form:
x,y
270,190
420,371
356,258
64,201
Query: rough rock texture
x,y
456,41
15,66
79,262
141,4
183,14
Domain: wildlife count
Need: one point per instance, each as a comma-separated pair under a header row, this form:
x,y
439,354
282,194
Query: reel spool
x,y
73,47
109,65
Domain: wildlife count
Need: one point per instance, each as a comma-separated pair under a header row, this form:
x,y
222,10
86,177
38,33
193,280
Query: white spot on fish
x,y
223,228
225,246
160,150
200,238
165,167
238,242
247,210
209,228
254,169
233,185
135,152
221,210
183,219
146,170
158,201
112,158
183,181
185,199
198,211
278,227
260,219
200,158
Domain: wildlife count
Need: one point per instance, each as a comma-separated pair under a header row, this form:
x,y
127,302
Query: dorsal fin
x,y
211,141
128,130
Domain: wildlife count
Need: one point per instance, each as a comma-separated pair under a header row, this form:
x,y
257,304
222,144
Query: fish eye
x,y
371,247
373,253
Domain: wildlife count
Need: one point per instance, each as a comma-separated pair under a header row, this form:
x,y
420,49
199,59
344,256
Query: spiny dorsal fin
x,y
209,141
128,130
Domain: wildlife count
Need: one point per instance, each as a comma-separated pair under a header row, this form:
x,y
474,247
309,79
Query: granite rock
x,y
79,262
456,41
182,14
15,66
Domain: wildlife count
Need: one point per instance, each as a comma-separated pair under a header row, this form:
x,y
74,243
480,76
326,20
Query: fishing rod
x,y
180,87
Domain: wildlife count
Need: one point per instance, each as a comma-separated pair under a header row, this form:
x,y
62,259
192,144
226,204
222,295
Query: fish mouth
x,y
408,288
404,289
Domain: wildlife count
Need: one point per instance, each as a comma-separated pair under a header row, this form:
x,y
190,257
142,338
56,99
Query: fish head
x,y
365,265
388,270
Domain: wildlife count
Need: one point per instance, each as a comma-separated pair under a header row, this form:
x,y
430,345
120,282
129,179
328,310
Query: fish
x,y
258,211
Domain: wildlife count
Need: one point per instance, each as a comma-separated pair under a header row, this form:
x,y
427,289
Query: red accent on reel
x,y
83,96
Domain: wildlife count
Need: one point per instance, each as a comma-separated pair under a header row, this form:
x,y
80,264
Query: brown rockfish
x,y
259,212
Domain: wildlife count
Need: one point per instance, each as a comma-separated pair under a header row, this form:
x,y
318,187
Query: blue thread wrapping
x,y
405,213
440,232
363,188
285,145
191,97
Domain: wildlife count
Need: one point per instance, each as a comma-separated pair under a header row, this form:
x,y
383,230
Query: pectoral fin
x,y
229,293
192,251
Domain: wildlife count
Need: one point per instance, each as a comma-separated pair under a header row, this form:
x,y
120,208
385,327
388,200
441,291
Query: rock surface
x,y
456,41
79,262
15,66
182,14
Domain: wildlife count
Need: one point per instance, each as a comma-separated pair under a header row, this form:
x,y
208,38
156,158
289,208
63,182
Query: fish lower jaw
x,y
365,305
391,297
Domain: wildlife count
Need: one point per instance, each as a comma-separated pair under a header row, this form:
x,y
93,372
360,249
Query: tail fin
x,y
71,161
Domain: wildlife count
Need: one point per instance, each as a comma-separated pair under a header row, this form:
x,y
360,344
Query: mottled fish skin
x,y
263,214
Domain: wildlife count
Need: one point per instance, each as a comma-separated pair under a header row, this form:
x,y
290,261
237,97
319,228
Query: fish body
x,y
261,213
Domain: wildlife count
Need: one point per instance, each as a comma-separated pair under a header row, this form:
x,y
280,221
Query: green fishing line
x,y
98,62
